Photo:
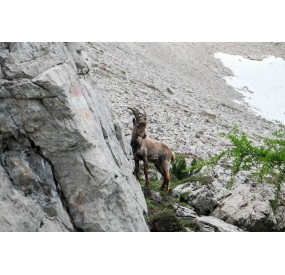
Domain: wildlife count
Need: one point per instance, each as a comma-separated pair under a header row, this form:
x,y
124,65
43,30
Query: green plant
x,y
267,159
165,221
192,225
179,168
183,196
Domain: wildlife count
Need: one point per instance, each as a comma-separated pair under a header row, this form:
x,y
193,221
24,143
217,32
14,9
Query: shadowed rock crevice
x,y
57,185
32,178
87,166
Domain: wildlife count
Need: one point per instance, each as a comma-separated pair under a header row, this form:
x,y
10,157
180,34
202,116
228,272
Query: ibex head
x,y
139,122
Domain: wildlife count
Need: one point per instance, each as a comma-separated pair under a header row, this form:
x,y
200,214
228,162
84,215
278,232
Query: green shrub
x,y
261,161
165,221
192,225
179,168
267,159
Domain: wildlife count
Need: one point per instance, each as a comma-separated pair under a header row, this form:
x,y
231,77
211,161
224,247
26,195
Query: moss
x,y
192,225
184,204
161,215
156,184
157,206
274,204
165,221
193,179
183,196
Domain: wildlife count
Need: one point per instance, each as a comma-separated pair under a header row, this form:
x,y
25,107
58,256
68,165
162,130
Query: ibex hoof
x,y
162,188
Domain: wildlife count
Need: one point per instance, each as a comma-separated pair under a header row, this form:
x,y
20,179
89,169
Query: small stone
x,y
169,90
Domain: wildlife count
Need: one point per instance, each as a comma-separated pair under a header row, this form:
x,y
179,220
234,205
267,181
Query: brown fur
x,y
150,150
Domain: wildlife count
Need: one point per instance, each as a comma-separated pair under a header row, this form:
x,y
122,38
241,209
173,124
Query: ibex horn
x,y
135,112
144,113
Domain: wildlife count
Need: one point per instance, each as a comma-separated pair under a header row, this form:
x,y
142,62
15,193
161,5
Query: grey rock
x,y
4,93
25,212
1,72
185,188
169,90
79,57
156,196
249,208
200,197
203,200
206,223
218,224
280,218
185,212
206,228
78,158
208,114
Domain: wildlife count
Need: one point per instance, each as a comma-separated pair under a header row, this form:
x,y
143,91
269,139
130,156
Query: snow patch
x,y
261,82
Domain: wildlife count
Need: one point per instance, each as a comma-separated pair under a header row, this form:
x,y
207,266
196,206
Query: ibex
x,y
148,149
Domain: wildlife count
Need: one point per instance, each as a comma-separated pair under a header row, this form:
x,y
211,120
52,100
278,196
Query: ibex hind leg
x,y
166,175
167,180
159,169
164,171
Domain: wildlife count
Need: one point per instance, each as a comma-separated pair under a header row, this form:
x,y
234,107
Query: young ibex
x,y
147,149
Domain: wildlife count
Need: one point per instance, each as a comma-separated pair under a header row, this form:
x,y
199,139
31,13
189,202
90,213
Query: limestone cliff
x,y
63,156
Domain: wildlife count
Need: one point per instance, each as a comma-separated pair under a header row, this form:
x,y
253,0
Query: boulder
x,y
217,224
249,207
203,200
185,212
205,223
200,197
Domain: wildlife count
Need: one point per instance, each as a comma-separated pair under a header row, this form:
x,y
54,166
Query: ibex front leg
x,y
147,184
137,170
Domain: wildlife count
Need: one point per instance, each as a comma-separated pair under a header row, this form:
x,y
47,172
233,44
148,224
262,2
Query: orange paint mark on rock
x,y
86,114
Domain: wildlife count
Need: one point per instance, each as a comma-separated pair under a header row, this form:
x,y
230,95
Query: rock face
x,y
64,160
245,206
206,223
249,208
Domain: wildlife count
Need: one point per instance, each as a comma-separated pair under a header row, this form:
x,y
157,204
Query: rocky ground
x,y
181,87
188,103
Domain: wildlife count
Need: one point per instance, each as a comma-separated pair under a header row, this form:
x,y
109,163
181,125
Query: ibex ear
x,y
134,121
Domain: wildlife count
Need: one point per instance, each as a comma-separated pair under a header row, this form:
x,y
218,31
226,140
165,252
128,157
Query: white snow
x,y
261,82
